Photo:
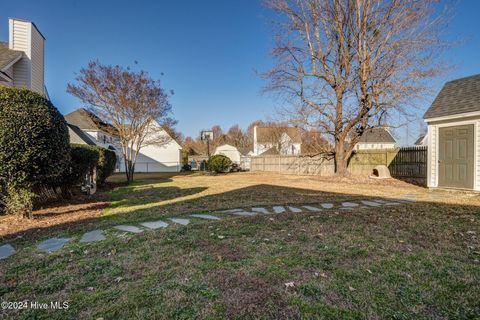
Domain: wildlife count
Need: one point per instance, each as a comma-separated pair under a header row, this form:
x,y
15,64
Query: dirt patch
x,y
58,216
247,297
221,251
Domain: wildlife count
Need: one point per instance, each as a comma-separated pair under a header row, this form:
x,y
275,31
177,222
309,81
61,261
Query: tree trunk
x,y
340,160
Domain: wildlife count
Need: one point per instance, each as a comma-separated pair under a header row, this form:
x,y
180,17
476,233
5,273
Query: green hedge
x,y
84,160
34,144
106,164
219,163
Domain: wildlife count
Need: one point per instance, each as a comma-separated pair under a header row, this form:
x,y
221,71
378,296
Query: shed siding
x,y
432,156
478,155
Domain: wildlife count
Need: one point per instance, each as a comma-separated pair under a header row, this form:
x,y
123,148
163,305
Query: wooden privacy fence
x,y
402,162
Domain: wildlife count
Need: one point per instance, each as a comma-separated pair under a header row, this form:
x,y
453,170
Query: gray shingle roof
x,y
7,55
377,135
86,120
456,97
78,136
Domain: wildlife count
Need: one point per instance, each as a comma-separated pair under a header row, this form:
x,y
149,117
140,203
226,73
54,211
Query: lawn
x,y
411,261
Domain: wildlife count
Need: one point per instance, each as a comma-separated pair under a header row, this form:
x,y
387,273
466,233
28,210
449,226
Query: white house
x,y
276,140
162,154
240,156
376,138
453,122
22,58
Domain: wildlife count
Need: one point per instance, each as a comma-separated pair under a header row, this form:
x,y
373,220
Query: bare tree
x,y
132,102
347,66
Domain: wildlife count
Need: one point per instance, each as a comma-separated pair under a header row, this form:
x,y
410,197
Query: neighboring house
x,y
453,122
279,140
240,156
376,138
155,157
22,58
422,140
101,133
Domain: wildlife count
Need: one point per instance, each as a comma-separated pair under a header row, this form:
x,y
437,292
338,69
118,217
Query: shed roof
x,y
456,97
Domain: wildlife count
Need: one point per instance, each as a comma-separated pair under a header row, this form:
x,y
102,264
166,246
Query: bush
x,y
219,163
34,144
84,159
106,164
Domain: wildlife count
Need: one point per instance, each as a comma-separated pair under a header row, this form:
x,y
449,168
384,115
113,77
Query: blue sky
x,y
208,51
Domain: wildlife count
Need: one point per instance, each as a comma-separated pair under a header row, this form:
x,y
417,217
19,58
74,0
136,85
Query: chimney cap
x,y
33,24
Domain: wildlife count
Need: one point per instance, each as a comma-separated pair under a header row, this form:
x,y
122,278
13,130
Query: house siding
x,y
478,155
37,61
20,40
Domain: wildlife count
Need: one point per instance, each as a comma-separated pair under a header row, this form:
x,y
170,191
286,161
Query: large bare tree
x,y
347,66
131,101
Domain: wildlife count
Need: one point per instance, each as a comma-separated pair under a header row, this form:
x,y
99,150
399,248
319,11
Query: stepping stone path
x,y
205,216
181,221
93,236
278,209
52,244
310,208
260,210
154,224
55,244
349,204
6,251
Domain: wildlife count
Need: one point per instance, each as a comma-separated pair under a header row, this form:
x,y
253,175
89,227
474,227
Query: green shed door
x,y
456,157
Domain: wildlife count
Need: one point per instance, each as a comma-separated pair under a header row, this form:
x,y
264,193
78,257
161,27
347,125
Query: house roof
x,y
270,152
377,135
244,150
86,120
78,136
272,134
420,139
456,97
7,56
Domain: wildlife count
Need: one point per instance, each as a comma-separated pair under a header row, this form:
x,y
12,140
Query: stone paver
x,y
154,224
6,251
392,203
52,244
311,208
244,213
380,201
181,221
231,210
327,205
260,210
128,228
93,236
278,209
205,216
349,204
295,209
371,203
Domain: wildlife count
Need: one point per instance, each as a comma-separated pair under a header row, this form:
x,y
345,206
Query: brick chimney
x,y
29,71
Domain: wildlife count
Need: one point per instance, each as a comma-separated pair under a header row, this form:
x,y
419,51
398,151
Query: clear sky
x,y
208,51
